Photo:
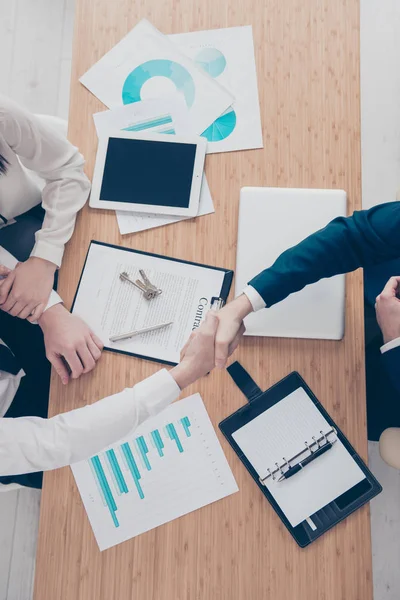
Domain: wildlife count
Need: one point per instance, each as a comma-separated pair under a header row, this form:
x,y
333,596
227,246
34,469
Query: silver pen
x,y
130,334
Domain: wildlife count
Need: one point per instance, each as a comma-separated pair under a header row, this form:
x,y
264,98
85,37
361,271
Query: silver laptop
x,y
271,220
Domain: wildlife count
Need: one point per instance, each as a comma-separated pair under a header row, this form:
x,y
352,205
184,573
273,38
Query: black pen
x,y
293,470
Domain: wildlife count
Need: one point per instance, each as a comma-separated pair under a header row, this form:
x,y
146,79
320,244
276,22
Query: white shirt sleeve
x,y
390,345
44,150
256,300
29,444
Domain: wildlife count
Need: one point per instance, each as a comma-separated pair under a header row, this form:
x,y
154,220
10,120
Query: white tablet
x,y
149,173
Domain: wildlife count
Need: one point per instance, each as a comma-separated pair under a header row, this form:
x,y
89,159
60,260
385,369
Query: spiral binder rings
x,y
310,450
289,422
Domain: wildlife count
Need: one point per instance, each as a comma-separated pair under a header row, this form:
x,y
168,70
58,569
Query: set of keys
x,y
148,290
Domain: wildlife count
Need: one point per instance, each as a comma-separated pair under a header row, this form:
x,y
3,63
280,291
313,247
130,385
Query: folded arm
x,y
44,150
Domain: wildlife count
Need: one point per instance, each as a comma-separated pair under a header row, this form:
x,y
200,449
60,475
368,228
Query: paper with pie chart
x,y
227,55
146,64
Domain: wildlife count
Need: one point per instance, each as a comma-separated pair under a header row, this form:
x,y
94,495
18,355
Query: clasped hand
x,y
388,310
25,291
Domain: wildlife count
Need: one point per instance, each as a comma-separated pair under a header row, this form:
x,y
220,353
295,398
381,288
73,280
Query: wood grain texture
x,y
307,54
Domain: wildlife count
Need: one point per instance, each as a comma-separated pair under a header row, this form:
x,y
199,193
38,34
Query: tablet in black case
x,y
258,402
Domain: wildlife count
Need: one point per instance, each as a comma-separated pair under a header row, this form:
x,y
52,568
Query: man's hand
x,y
68,337
197,358
25,291
388,310
230,328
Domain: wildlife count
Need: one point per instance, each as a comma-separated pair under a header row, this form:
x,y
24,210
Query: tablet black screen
x,y
148,172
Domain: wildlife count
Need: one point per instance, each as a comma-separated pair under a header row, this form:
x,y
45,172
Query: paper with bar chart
x,y
171,465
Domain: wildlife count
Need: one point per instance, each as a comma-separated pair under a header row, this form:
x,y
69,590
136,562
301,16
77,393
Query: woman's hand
x,y
25,291
69,340
197,357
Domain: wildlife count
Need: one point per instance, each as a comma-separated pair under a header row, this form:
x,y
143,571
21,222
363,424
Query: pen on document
x,y
293,470
130,334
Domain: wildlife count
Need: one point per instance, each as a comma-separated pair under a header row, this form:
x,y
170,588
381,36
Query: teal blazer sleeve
x,y
367,238
391,361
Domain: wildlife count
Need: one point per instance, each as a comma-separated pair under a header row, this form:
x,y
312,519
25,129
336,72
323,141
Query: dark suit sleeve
x,y
367,238
391,360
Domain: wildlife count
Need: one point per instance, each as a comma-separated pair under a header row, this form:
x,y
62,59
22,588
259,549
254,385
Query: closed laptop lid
x,y
271,220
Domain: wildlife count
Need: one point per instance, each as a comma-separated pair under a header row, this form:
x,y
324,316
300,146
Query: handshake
x,y
211,345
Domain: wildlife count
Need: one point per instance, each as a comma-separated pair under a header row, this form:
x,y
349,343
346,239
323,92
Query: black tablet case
x,y
258,402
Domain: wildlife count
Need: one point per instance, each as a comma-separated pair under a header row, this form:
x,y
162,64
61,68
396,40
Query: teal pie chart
x,y
222,127
131,90
212,61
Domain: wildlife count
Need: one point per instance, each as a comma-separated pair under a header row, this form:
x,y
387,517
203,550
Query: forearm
x,y
30,444
62,200
366,238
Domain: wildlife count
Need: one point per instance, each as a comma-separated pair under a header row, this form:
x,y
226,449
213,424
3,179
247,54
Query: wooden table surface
x,y
307,55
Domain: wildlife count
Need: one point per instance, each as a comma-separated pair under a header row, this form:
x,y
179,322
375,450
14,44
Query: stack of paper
x,y
203,83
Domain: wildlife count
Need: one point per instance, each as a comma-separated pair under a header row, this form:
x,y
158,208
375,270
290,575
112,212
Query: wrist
x,y
242,306
49,266
51,313
183,375
389,336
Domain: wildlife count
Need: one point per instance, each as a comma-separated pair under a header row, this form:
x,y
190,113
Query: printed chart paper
x,y
146,64
171,465
227,55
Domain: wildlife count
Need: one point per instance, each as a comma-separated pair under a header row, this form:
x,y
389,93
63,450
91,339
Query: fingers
x,y
210,324
5,290
97,340
36,313
86,358
237,339
16,309
4,271
221,352
27,311
94,350
59,367
74,363
391,288
185,347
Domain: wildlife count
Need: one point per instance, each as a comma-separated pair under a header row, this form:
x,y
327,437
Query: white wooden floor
x,y
35,63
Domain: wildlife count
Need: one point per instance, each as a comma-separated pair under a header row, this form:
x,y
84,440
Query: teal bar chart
x,y
134,458
169,466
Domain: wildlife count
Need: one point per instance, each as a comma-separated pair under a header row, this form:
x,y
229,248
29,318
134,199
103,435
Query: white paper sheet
x,y
175,478
228,56
172,113
146,64
130,222
111,306
280,432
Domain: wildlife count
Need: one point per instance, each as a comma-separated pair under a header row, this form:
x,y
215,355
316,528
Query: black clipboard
x,y
224,292
259,402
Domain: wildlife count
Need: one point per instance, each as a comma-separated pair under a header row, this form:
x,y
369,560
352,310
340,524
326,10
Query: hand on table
x,y
388,310
67,336
25,291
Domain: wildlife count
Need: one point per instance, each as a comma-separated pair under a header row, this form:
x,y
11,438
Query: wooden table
x,y
307,54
